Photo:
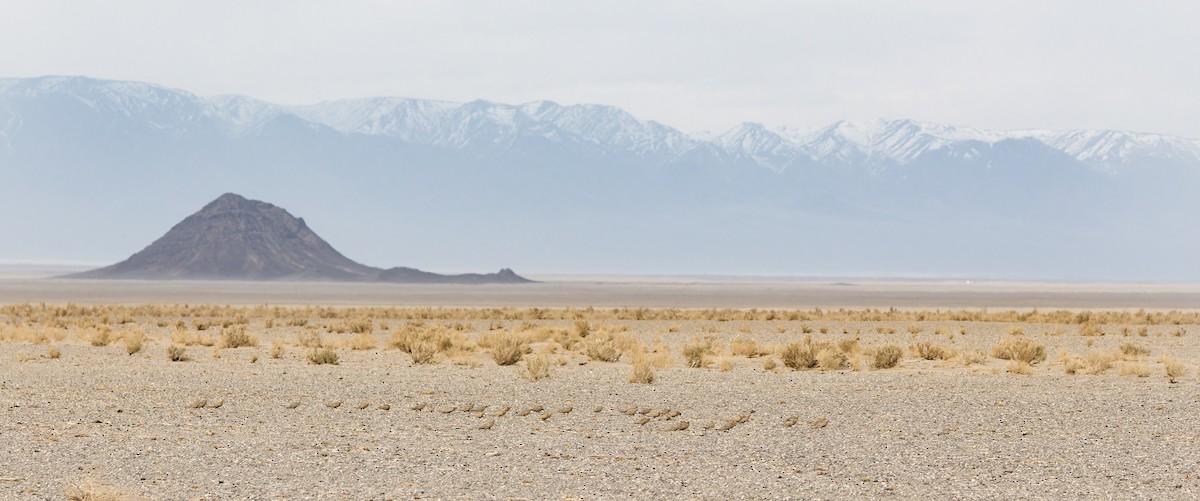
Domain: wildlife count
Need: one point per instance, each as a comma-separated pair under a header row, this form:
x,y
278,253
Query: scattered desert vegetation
x,y
381,369
644,340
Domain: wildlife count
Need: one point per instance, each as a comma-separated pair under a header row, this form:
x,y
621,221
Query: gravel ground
x,y
924,430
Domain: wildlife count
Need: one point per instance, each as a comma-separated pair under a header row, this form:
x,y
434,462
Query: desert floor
x,y
1097,418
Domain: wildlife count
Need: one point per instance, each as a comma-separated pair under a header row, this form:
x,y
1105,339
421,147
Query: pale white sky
x,y
692,65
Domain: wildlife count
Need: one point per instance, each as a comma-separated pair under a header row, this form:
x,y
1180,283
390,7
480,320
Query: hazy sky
x,y
693,65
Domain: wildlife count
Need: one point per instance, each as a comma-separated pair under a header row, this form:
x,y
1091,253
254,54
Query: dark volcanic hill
x,y
233,238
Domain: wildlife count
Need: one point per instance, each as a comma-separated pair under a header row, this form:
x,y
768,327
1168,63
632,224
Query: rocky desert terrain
x,y
166,401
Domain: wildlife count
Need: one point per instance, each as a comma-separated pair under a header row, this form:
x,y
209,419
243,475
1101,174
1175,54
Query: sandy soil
x,y
927,429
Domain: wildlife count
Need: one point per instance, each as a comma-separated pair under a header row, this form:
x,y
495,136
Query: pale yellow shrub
x,y
536,368
1021,349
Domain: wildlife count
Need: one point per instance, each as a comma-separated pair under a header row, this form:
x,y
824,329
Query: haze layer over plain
x,y
611,292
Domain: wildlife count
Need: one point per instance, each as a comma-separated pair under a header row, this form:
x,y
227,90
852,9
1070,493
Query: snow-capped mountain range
x,y
488,126
70,143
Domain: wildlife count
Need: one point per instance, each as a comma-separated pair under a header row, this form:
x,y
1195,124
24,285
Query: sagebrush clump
x,y
885,357
642,373
806,354
536,368
176,353
237,337
1020,349
507,349
699,351
602,348
322,356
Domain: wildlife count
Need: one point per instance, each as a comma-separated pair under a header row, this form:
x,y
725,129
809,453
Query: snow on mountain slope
x,y
612,127
242,115
413,120
753,142
1112,149
492,128
148,105
480,123
899,141
903,141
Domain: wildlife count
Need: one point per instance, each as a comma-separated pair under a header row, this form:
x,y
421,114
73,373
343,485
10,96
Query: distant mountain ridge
x,y
233,238
590,188
483,125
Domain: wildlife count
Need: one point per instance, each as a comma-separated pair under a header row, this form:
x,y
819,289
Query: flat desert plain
x,y
695,389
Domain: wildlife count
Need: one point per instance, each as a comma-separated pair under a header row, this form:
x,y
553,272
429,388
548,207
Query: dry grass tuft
x,y
806,354
642,373
725,364
277,348
1138,369
1173,368
536,368
602,347
508,348
362,341
176,353
53,353
931,351
92,490
466,360
1018,367
885,357
237,337
423,352
101,337
322,356
769,364
748,348
1131,351
1019,349
308,339
849,346
832,359
699,351
134,341
967,357
1094,363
